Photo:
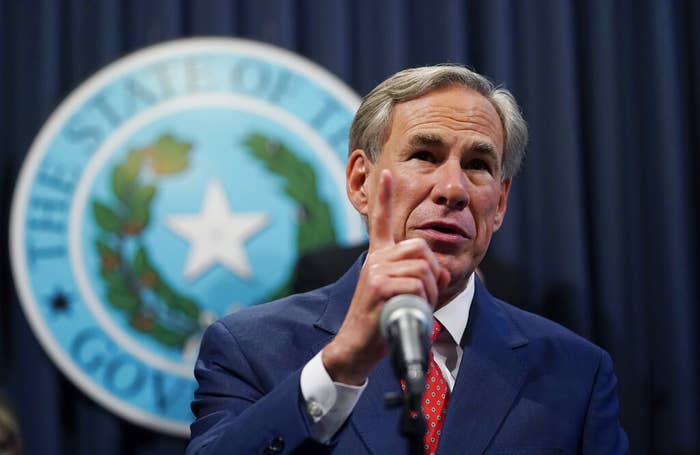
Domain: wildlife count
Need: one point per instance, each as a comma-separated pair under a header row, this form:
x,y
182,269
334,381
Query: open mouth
x,y
445,228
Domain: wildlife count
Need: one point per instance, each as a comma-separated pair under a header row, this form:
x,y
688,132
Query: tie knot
x,y
437,328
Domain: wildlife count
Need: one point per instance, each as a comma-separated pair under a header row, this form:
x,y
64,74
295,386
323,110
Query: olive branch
x,y
315,224
134,286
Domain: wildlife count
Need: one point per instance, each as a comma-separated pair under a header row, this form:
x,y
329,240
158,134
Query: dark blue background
x,y
602,220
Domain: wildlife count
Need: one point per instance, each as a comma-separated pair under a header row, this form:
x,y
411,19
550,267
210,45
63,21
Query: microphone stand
x,y
412,423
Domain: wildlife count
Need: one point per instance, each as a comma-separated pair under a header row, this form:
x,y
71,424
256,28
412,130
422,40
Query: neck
x,y
452,290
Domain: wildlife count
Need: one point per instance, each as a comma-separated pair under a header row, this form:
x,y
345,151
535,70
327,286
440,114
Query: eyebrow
x,y
426,140
484,148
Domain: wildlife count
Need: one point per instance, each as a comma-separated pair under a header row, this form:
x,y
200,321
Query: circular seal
x,y
176,185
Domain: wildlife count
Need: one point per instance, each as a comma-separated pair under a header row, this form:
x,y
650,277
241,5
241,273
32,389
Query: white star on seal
x,y
216,234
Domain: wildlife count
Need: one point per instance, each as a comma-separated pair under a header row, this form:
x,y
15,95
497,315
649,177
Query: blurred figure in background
x,y
10,442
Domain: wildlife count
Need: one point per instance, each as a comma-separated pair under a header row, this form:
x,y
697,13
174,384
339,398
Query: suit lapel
x,y
377,425
489,380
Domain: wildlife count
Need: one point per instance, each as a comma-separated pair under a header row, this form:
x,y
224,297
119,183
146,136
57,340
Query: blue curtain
x,y
602,218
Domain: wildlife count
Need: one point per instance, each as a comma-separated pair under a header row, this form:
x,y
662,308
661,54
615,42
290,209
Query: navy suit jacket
x,y
525,385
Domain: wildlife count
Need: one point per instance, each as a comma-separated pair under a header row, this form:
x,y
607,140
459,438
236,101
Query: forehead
x,y
453,111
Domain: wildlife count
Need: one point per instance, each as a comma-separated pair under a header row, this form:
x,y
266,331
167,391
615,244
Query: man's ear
x,y
357,178
502,204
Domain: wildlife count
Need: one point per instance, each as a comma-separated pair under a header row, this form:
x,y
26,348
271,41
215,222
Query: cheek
x,y
406,203
485,203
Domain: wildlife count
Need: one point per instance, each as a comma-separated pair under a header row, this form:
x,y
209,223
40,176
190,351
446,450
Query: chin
x,y
458,268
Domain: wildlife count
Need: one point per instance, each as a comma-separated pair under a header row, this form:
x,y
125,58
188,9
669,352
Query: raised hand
x,y
391,268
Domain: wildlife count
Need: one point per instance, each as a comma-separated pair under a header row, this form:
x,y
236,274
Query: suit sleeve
x,y
602,432
233,414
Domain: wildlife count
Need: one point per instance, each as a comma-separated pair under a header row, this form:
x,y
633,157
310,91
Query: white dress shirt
x,y
330,403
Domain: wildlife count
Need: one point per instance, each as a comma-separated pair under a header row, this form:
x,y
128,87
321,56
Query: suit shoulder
x,y
534,327
288,312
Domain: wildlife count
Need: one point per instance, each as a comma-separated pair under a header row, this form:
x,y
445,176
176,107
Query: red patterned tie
x,y
434,399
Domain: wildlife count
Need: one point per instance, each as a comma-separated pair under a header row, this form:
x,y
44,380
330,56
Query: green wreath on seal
x,y
313,214
134,285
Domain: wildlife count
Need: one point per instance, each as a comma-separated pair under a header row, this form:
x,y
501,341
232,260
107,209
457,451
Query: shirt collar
x,y
455,315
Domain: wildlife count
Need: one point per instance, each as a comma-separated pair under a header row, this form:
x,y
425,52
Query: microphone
x,y
405,324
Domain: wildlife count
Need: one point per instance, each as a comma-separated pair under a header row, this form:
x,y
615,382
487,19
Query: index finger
x,y
380,228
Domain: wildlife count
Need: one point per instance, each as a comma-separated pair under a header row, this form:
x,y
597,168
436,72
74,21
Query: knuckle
x,y
420,247
425,268
412,244
375,283
421,243
418,287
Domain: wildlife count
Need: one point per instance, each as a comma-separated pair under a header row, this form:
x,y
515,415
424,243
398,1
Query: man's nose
x,y
451,186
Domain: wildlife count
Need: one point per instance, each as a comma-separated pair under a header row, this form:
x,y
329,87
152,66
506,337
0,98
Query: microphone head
x,y
405,305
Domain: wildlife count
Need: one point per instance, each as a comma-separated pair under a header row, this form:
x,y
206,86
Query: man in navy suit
x,y
432,155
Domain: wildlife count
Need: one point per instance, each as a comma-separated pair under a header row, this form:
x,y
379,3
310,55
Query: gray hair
x,y
370,127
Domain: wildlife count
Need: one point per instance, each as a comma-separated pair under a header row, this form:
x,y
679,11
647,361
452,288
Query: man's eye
x,y
478,165
423,155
